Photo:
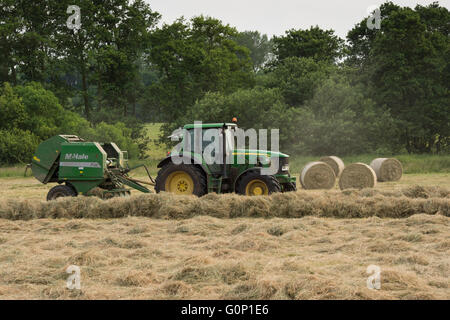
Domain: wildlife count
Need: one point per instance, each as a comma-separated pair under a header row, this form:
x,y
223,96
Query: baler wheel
x,y
61,191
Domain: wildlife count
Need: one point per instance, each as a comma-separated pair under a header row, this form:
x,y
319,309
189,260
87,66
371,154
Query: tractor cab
x,y
206,135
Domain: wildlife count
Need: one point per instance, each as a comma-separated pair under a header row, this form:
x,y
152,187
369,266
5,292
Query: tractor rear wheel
x,y
181,179
255,184
289,187
61,191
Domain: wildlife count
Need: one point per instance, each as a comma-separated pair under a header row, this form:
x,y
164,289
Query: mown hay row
x,y
348,204
410,192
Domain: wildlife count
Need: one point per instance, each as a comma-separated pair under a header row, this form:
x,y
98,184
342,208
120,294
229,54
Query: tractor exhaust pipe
x,y
224,153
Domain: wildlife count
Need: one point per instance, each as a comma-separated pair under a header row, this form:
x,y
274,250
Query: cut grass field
x,y
211,258
21,188
303,245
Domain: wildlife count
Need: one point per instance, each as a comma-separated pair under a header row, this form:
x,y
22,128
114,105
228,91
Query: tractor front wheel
x,y
181,179
61,191
255,184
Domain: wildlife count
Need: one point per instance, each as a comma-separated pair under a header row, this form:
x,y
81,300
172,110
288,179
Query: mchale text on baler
x,y
79,167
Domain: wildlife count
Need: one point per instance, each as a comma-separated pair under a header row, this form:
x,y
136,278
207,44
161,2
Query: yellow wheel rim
x,y
179,182
256,188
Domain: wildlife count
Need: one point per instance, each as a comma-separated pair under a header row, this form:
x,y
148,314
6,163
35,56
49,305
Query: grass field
x,y
303,245
211,258
176,254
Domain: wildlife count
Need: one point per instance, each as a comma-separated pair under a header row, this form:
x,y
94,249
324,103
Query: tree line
x,y
379,90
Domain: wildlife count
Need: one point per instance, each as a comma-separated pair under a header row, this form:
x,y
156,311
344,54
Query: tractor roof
x,y
209,125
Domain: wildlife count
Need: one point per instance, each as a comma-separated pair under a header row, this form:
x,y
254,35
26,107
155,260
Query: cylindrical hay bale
x,y
317,175
335,163
387,169
357,176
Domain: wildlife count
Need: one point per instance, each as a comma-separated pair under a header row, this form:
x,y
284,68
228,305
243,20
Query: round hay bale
x,y
357,176
317,175
387,169
335,163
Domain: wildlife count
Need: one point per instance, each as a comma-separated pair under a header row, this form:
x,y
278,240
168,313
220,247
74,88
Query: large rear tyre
x,y
289,187
183,179
60,192
255,184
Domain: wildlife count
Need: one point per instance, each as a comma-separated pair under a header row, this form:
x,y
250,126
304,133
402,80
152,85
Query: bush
x,y
17,146
44,113
297,79
257,108
343,121
123,135
12,110
117,133
339,119
32,114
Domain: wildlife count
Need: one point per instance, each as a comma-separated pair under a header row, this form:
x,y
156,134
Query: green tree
x,y
297,78
111,38
9,33
406,65
343,121
258,108
17,146
315,43
338,119
259,45
12,111
360,38
32,114
125,31
25,42
43,110
194,58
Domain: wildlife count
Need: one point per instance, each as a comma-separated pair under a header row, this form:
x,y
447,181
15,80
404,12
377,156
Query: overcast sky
x,y
274,17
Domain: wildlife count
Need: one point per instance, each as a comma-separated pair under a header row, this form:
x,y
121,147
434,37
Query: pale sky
x,y
275,17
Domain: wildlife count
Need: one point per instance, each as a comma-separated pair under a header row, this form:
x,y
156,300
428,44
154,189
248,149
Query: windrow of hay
x,y
387,169
347,204
357,176
414,191
335,163
317,175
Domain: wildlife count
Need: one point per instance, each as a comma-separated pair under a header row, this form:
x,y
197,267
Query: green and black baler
x,y
79,167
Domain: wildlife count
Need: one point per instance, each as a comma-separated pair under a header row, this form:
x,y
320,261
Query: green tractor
x,y
195,176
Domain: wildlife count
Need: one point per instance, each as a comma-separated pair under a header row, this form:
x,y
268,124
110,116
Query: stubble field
x,y
307,245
